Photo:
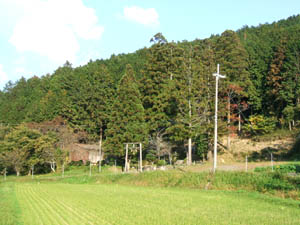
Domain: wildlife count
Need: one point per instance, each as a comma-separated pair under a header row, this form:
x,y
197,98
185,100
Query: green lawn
x,y
59,203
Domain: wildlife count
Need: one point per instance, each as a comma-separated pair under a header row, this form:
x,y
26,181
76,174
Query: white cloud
x,y
148,17
52,28
20,70
3,77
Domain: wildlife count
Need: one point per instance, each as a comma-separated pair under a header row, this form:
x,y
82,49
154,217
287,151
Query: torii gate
x,y
126,155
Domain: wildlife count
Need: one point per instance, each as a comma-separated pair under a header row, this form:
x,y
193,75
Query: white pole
x,y
217,75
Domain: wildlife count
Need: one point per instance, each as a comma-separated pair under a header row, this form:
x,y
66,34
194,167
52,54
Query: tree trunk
x,y
141,158
52,166
228,123
239,123
170,158
190,113
126,159
32,171
100,150
158,143
17,171
63,169
189,159
290,125
128,165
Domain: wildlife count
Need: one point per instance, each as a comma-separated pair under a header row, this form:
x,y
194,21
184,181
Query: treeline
x,y
164,95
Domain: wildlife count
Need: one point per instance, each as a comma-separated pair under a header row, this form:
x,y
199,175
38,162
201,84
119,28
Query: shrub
x,y
76,163
161,163
258,125
288,168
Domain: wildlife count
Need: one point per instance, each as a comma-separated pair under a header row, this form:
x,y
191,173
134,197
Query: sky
x,y
38,36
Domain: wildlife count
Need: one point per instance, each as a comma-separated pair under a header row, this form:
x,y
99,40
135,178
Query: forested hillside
x,y
164,95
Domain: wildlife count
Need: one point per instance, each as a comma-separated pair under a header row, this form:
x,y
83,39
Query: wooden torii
x,y
126,155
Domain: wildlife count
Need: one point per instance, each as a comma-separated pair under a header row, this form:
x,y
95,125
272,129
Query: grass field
x,y
62,203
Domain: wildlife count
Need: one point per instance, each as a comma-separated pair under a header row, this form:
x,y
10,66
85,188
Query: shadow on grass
x,y
265,155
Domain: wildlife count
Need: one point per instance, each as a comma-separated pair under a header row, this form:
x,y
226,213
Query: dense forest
x,y
162,96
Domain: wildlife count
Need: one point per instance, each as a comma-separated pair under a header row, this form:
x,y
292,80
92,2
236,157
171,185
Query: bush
x,y
76,163
288,168
295,151
161,163
259,124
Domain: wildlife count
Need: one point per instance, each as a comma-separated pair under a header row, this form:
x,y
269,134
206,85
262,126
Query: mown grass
x,y
61,203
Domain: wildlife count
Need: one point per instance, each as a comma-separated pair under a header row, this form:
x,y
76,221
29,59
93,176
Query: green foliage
x,y
127,116
286,168
258,124
295,150
22,148
202,146
288,113
176,86
161,162
151,155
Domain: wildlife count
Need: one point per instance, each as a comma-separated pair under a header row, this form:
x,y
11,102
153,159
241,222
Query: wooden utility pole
x,y
100,150
218,76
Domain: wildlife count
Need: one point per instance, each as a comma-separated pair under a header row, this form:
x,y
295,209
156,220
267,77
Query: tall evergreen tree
x,y
127,123
163,67
191,98
233,60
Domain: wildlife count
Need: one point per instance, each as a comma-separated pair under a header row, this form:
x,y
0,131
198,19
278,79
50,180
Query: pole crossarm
x,y
132,143
217,74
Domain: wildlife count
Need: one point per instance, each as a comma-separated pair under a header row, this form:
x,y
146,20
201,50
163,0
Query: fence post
x,y
272,161
246,163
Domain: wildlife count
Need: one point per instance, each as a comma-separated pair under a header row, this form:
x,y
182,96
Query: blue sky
x,y
37,36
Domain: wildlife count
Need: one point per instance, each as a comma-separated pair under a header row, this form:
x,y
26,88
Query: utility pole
x,y
218,76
